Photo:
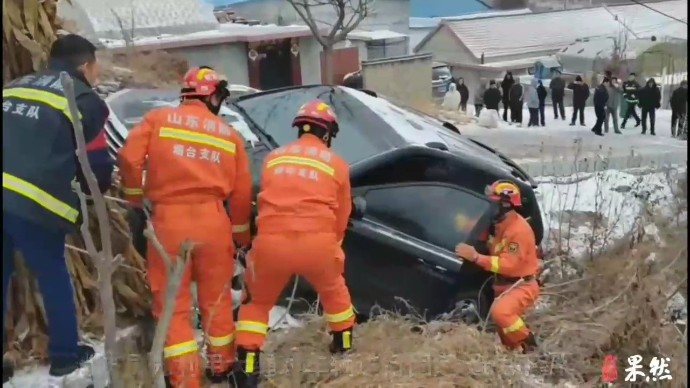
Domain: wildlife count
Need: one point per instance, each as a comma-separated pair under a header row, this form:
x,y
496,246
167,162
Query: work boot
x,y
7,371
572,124
529,344
248,371
222,378
61,366
342,341
618,132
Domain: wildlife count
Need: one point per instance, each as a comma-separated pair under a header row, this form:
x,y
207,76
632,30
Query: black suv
x,y
418,191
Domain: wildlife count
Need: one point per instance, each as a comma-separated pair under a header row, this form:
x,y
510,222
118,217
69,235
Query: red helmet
x,y
504,191
317,113
201,81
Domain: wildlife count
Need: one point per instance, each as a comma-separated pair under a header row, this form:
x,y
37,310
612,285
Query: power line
x,y
659,12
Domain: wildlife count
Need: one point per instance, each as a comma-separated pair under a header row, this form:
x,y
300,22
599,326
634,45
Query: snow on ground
x,y
560,149
603,206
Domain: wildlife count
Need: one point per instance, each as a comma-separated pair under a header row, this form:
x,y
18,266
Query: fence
x,y
406,78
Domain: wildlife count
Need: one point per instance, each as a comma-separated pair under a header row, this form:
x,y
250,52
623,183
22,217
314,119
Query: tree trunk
x,y
328,64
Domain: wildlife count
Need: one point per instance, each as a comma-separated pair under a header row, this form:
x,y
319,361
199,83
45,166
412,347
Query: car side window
x,y
411,169
438,214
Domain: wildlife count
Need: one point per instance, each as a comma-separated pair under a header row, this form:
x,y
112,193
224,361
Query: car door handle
x,y
431,266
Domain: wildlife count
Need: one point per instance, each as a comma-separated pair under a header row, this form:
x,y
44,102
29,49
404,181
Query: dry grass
x,y
144,69
616,308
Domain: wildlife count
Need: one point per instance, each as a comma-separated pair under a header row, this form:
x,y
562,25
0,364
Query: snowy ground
x,y
569,208
552,150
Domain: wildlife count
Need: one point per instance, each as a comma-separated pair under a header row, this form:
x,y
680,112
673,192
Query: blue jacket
x,y
39,161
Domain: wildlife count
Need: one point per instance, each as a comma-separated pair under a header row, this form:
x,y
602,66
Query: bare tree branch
x,y
104,261
174,273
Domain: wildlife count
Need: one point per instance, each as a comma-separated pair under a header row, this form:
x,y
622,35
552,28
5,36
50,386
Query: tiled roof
x,y
550,31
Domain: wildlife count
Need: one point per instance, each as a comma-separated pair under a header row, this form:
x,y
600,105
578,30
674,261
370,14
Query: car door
x,y
400,253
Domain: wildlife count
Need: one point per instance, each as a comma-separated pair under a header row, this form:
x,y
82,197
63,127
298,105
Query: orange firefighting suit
x,y
513,255
195,161
304,205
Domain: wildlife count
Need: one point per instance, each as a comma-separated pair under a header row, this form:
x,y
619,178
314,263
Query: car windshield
x,y
355,141
441,72
131,107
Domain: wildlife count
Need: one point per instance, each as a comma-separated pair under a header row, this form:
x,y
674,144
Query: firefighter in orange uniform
x,y
303,209
194,161
513,259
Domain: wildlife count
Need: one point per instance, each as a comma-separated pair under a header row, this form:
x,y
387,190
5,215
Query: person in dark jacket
x,y
679,108
542,93
517,98
492,96
39,166
557,87
650,101
506,85
464,94
479,96
600,100
630,90
580,95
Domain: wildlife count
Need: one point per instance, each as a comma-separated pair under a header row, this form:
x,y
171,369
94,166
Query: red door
x,y
345,60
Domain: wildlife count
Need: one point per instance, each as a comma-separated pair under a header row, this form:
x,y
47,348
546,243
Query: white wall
x,y
310,60
229,59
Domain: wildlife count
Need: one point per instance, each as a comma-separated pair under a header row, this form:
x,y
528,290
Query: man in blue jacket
x,y
39,164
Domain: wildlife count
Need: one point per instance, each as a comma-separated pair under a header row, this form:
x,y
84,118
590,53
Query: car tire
x,y
471,307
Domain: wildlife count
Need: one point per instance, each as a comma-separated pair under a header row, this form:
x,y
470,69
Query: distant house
x,y
420,27
489,46
441,8
389,14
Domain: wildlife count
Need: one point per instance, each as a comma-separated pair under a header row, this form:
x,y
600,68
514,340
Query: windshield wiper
x,y
256,126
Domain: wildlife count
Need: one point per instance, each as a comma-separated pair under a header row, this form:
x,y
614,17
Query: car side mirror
x,y
359,207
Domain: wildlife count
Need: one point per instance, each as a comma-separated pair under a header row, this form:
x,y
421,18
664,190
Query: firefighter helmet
x,y
504,191
318,114
202,81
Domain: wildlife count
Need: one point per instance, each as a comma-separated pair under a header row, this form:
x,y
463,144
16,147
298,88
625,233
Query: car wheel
x,y
470,308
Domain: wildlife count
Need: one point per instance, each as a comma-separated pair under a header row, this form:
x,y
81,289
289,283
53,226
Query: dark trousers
x,y
558,107
477,109
44,254
600,111
651,112
542,119
581,109
677,119
463,106
533,117
516,112
630,111
506,105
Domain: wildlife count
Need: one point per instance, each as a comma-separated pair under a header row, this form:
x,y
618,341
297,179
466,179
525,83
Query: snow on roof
x,y
604,48
227,32
416,22
550,31
374,35
547,61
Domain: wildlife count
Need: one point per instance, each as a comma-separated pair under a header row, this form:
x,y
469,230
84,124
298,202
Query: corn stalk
x,y
29,28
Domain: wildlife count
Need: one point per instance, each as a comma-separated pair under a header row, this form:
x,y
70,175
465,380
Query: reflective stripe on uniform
x,y
340,317
494,264
252,327
54,100
302,161
240,228
198,138
133,191
180,349
39,196
221,341
519,324
251,360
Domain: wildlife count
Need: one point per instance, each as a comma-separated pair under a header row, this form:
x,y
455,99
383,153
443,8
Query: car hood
x,y
417,128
